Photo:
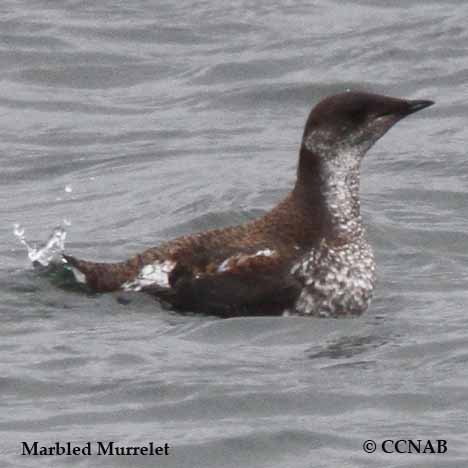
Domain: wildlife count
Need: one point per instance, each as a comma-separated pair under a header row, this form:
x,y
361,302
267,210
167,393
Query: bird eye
x,y
356,114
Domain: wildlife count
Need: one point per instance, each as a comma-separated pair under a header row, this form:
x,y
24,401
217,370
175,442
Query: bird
x,y
309,255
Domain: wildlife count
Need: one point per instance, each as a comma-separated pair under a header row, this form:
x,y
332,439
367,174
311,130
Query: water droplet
x,y
67,222
68,189
18,230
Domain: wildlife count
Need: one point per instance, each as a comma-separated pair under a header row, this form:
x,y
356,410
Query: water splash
x,y
50,252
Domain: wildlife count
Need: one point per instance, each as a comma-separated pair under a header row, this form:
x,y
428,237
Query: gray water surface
x,y
172,117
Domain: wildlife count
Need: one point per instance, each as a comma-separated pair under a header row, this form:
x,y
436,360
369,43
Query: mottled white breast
x,y
337,280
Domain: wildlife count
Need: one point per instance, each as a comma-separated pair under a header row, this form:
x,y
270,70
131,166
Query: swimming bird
x,y
308,256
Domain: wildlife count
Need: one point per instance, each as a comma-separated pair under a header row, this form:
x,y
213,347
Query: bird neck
x,y
329,188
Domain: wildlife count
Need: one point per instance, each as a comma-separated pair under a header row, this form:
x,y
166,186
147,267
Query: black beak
x,y
400,108
417,105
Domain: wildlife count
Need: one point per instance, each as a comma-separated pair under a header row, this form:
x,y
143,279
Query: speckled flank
x,y
238,260
154,274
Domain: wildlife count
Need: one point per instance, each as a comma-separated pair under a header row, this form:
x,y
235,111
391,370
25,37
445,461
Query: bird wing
x,y
254,284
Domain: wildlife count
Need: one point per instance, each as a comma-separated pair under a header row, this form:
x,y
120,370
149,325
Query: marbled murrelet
x,y
308,255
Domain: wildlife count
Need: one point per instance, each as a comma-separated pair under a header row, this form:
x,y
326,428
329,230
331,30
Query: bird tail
x,y
101,277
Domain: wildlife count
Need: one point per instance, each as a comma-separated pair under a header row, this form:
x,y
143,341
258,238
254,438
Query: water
x,y
164,118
